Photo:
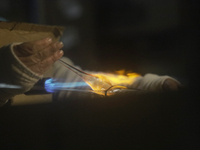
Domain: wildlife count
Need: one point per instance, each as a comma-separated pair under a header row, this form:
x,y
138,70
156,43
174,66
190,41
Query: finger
x,y
50,50
41,67
29,48
39,44
47,52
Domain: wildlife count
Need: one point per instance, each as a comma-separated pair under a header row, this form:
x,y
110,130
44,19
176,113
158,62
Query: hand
x,y
171,85
39,55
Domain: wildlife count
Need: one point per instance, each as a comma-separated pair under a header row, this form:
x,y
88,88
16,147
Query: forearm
x,y
152,82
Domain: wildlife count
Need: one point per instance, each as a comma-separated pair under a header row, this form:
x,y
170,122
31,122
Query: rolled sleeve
x,y
14,72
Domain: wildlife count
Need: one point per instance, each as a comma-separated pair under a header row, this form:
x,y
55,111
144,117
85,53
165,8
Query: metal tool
x,y
95,82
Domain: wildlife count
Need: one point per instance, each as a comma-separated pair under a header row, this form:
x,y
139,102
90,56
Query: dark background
x,y
157,36
148,121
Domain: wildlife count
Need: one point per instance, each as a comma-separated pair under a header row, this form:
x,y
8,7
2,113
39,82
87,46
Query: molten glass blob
x,y
98,82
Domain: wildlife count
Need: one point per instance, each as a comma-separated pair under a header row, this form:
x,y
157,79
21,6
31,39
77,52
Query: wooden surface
x,y
22,32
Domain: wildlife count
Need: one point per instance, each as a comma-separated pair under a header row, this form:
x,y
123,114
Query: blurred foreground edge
x,y
147,121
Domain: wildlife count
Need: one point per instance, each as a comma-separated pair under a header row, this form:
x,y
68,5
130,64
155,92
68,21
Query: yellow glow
x,y
103,81
109,79
120,72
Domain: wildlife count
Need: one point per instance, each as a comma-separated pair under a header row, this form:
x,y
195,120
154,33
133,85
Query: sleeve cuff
x,y
14,72
22,67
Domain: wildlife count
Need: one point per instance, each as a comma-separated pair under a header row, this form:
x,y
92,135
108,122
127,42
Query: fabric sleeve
x,y
151,82
15,77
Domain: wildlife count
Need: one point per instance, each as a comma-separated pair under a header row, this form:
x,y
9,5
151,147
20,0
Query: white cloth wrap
x,y
14,72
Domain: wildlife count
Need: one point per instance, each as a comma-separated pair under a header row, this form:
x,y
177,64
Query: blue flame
x,y
51,86
9,86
